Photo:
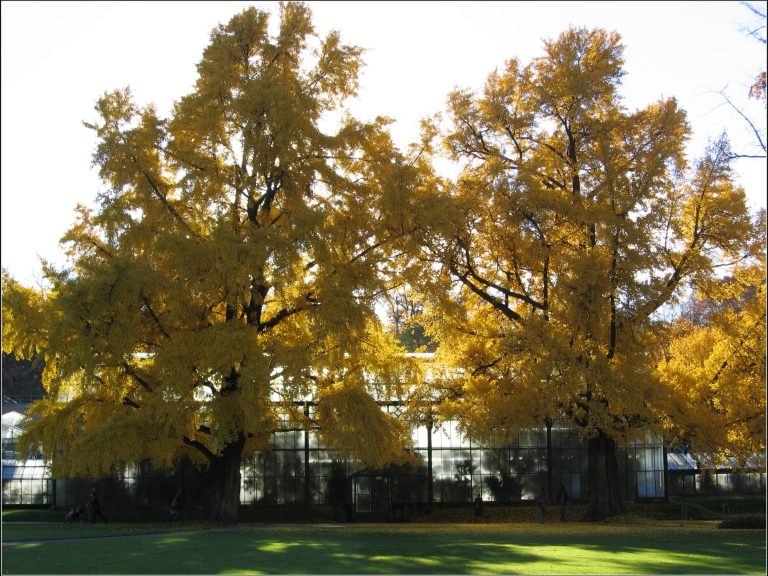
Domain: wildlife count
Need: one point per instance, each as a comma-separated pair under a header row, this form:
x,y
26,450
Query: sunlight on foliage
x,y
572,222
231,267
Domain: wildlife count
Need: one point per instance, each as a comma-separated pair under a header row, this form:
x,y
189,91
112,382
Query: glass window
x,y
420,437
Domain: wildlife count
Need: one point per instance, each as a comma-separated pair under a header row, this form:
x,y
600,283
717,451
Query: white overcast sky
x,y
59,57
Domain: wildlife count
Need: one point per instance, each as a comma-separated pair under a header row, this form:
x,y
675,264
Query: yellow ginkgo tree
x,y
715,367
572,224
229,271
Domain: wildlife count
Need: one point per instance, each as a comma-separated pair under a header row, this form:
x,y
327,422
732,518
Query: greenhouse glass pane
x,y
421,437
576,486
526,437
363,502
642,485
437,438
659,477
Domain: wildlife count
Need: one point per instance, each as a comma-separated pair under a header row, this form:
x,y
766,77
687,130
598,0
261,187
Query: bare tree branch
x,y
748,121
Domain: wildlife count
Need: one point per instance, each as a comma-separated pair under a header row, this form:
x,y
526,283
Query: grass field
x,y
523,548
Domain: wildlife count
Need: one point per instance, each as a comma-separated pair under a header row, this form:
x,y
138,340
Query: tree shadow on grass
x,y
385,551
258,553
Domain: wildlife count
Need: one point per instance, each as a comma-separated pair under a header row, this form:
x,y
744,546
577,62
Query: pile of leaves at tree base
x,y
527,513
749,521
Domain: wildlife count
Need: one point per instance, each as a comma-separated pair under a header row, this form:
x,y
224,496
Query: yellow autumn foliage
x,y
230,269
573,224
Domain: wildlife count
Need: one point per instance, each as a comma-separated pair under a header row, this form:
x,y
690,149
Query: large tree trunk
x,y
224,483
604,496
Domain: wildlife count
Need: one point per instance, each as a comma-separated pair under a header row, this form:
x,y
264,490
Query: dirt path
x,y
115,537
149,534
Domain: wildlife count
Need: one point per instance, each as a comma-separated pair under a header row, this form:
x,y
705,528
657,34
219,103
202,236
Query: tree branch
x,y
128,402
749,122
509,313
154,316
164,200
131,372
202,448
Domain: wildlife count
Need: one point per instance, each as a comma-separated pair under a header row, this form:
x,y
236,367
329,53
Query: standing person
x,y
94,508
176,506
478,509
542,502
562,500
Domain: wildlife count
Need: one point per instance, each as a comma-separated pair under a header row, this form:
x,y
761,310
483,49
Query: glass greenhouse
x,y
448,468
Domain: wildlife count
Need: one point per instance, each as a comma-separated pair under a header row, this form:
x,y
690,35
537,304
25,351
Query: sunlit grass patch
x,y
402,549
166,540
30,545
279,546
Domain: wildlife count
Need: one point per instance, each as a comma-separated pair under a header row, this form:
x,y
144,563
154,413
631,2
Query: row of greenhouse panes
x,y
461,469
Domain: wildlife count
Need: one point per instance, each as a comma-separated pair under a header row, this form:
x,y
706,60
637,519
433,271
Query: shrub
x,y
753,521
736,504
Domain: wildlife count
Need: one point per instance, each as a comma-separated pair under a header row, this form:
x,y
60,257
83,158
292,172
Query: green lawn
x,y
574,548
21,531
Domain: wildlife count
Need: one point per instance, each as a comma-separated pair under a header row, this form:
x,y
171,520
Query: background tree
x,y
21,379
756,29
403,312
715,367
230,269
571,224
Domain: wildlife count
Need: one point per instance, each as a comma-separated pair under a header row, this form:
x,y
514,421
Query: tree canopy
x,y
573,222
716,368
230,275
230,271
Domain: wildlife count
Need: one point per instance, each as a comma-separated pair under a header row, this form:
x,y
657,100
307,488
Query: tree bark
x,y
224,482
604,496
